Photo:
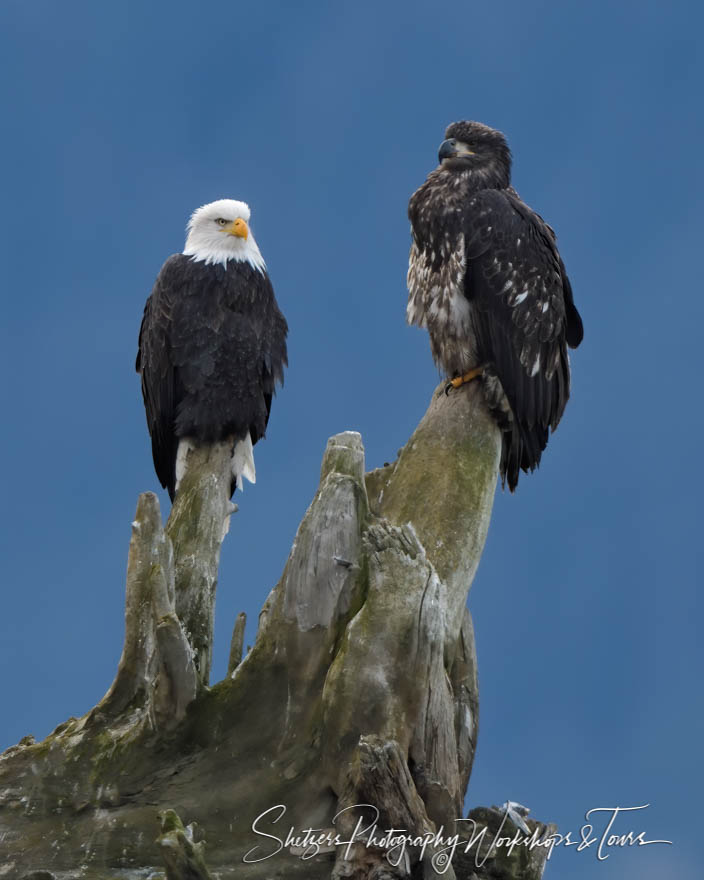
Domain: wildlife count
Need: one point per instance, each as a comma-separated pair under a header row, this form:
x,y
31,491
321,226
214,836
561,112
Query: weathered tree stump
x,y
360,688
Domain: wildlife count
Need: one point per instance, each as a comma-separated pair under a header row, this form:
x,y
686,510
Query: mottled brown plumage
x,y
486,279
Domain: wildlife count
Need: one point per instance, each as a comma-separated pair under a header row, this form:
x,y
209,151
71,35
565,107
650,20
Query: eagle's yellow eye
x,y
221,221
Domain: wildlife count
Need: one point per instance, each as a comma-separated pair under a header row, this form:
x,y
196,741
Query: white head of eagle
x,y
486,280
219,231
212,345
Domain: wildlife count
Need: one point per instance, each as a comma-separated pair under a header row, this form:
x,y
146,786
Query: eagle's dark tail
x,y
511,454
521,450
521,445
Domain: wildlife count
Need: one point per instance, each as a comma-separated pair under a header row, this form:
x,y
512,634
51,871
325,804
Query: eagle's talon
x,y
459,381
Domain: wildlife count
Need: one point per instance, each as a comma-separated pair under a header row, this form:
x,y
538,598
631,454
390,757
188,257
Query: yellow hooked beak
x,y
239,228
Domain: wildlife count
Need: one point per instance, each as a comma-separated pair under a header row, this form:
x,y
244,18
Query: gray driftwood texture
x,y
360,688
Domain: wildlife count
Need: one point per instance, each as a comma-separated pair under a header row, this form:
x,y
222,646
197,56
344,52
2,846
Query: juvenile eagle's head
x,y
476,147
219,232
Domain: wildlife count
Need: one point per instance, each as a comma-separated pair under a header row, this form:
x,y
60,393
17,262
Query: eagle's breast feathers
x,y
437,301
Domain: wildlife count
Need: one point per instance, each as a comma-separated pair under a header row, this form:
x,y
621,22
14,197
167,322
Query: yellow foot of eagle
x,y
458,381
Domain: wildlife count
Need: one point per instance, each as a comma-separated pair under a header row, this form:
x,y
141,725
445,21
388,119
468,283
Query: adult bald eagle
x,y
487,281
212,345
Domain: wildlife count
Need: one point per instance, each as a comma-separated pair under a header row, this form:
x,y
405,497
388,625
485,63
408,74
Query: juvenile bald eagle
x,y
212,345
485,278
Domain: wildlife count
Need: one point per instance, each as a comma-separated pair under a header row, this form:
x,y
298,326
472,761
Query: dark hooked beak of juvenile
x,y
452,148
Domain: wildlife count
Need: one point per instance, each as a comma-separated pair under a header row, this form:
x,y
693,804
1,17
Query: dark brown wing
x,y
523,316
155,366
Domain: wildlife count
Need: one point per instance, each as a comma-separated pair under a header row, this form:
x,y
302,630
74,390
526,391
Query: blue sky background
x,y
121,118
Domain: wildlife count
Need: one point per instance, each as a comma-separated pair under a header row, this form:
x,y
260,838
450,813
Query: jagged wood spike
x,y
148,552
237,643
487,862
197,525
184,859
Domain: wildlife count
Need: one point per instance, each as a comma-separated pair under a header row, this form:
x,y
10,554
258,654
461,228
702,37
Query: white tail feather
x,y
243,462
